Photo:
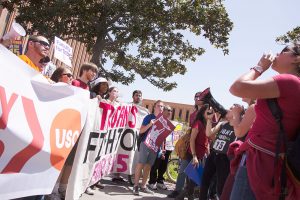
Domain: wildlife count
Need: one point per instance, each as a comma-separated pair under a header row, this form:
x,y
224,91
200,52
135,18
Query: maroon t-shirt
x,y
264,133
201,143
79,83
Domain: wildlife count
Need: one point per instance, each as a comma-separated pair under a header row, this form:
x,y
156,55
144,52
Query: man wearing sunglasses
x,y
37,48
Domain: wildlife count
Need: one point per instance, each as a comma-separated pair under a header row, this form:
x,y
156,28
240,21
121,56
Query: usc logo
x,y
64,132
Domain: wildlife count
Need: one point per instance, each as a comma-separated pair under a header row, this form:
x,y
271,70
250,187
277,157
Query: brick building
x,y
181,112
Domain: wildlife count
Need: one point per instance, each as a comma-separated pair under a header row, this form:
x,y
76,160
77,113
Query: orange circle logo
x,y
64,132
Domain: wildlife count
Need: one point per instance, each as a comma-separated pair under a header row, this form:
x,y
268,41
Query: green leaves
x,y
290,37
132,37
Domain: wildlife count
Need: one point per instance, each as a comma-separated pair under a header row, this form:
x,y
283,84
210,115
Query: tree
x,y
129,37
290,37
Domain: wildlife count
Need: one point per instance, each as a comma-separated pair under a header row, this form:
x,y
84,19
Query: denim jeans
x,y
181,176
241,188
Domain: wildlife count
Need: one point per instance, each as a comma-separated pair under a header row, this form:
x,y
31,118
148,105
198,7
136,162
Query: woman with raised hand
x,y
262,172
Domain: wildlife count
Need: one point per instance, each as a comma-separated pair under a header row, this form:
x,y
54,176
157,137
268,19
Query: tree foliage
x,y
290,37
129,37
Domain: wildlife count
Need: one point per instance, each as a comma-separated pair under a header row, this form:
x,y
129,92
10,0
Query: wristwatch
x,y
258,68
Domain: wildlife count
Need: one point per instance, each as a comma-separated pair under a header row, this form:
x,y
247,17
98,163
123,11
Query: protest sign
x,y
158,133
63,51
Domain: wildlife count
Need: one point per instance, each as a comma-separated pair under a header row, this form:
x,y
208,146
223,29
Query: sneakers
x,y
161,186
99,185
118,180
146,190
89,191
173,194
152,186
135,190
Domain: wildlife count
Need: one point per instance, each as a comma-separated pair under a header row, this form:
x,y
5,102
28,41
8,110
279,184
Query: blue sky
x,y
256,26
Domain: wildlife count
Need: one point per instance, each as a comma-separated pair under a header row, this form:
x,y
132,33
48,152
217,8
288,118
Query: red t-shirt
x,y
264,133
79,83
201,143
193,117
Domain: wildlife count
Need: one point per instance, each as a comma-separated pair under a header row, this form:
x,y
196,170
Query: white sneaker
x,y
161,186
152,186
89,191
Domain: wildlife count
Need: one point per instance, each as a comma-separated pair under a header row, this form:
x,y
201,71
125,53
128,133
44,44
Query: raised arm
x,y
247,85
240,124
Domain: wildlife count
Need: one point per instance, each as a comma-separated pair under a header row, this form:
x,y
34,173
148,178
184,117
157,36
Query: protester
x,y
47,67
37,48
99,88
183,164
87,73
197,149
217,162
112,95
160,165
146,155
137,97
260,147
241,121
62,74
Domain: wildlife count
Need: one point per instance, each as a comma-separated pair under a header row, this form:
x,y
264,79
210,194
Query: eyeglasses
x,y
290,49
45,44
198,98
68,75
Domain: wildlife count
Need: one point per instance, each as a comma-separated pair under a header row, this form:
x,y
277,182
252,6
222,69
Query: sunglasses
x,y
198,98
43,43
68,75
290,49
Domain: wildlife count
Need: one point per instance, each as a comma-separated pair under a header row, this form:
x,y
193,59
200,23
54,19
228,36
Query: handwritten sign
x,y
63,51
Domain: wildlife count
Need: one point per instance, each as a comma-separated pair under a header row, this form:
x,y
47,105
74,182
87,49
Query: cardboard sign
x,y
158,133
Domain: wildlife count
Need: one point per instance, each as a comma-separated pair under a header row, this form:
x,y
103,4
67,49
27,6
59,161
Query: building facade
x,y
181,112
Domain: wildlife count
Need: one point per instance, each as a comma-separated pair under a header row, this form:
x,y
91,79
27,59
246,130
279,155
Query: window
x,y
173,114
180,113
187,114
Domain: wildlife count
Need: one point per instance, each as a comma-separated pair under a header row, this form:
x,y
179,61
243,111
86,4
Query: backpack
x,y
291,157
182,145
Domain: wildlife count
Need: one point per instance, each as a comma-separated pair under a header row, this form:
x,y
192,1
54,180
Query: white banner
x,y
39,124
63,51
107,144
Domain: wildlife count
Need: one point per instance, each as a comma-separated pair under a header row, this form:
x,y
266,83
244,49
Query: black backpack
x,y
292,149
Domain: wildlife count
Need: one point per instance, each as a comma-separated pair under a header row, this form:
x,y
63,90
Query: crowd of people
x,y
238,150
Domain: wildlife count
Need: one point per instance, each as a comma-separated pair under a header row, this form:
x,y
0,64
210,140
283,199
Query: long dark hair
x,y
201,114
108,91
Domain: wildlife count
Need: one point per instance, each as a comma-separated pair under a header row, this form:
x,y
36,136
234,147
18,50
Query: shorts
x,y
146,155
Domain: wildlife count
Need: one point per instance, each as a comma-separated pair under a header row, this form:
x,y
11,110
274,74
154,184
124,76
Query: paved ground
x,y
123,191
